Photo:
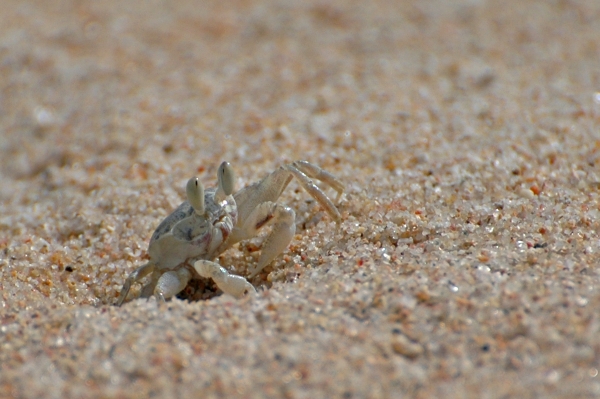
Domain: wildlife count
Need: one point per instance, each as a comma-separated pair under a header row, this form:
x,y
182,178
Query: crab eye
x,y
226,178
195,195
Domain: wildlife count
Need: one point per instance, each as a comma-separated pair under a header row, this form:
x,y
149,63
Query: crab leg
x,y
313,189
148,289
172,283
271,187
322,175
270,213
257,208
231,284
137,275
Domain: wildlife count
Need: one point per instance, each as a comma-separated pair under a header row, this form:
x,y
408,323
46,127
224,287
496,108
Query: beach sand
x,y
467,134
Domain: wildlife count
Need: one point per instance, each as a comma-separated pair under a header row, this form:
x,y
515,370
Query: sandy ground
x,y
467,134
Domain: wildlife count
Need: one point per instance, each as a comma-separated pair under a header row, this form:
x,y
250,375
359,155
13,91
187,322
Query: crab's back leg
x,y
136,275
313,171
270,188
313,189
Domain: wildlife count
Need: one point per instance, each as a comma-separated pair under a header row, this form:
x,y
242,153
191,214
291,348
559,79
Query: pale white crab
x,y
211,221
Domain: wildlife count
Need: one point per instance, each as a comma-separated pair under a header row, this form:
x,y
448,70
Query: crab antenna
x,y
226,180
195,195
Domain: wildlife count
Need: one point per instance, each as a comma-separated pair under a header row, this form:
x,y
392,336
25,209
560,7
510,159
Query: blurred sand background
x,y
467,133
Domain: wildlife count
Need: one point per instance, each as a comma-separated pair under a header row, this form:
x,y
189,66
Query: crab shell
x,y
184,235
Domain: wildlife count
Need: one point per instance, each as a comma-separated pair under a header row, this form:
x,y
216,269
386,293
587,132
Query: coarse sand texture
x,y
467,134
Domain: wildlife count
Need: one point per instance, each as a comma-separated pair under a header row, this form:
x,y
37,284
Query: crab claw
x,y
231,284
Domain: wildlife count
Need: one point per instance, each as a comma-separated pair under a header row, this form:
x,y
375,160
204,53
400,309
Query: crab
x,y
185,244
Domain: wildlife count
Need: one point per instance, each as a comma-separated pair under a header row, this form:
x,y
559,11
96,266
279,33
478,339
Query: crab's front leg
x,y
135,276
231,284
282,218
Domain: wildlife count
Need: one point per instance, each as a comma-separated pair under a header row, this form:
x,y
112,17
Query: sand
x,y
467,134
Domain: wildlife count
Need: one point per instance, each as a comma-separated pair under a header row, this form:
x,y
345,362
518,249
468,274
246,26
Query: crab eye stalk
x,y
195,195
226,179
